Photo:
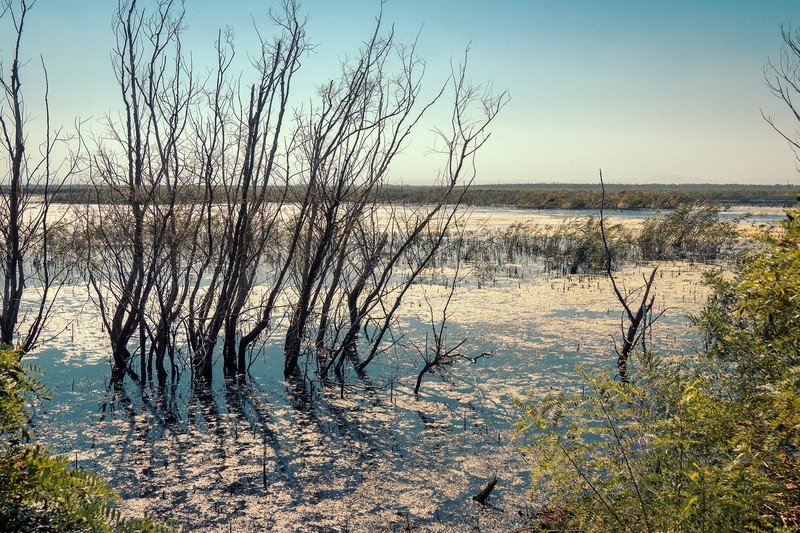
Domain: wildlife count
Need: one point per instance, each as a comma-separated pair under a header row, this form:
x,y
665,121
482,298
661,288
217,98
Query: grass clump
x,y
686,233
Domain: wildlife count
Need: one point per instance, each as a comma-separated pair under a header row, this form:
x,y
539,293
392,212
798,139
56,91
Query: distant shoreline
x,y
618,196
543,196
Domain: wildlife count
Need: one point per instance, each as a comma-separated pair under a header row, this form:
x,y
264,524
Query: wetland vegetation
x,y
698,443
253,451
244,326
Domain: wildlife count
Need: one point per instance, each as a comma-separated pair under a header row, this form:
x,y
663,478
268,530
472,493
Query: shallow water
x,y
272,455
493,217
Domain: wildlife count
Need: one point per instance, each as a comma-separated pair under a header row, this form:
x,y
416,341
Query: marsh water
x,y
266,454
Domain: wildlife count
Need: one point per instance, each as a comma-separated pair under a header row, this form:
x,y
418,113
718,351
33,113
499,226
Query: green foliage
x,y
699,444
38,490
751,322
18,389
686,234
577,246
666,453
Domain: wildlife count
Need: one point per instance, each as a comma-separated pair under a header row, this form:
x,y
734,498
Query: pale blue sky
x,y
649,91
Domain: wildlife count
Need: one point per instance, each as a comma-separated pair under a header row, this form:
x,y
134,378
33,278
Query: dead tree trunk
x,y
24,226
136,184
240,172
636,326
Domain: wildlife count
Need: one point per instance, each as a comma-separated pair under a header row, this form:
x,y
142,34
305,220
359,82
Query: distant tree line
x,y
617,197
528,196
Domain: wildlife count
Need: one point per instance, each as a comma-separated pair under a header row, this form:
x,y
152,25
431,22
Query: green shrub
x,y
38,490
17,389
709,443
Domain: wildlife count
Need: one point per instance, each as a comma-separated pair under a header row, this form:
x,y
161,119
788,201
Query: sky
x,y
649,91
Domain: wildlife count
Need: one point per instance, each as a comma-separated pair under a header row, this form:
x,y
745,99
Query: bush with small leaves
x,y
704,443
38,490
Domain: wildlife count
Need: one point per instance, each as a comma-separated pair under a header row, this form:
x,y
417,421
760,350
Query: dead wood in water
x,y
484,494
637,323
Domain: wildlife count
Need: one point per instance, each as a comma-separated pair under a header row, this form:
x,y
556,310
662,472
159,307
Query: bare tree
x,y
211,212
783,79
26,195
347,264
420,235
138,172
243,173
636,322
346,142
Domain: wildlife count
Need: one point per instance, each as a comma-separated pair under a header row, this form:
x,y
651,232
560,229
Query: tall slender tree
x,y
139,170
354,244
247,189
31,276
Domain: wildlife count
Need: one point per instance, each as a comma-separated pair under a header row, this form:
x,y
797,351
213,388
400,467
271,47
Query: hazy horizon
x,y
647,91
